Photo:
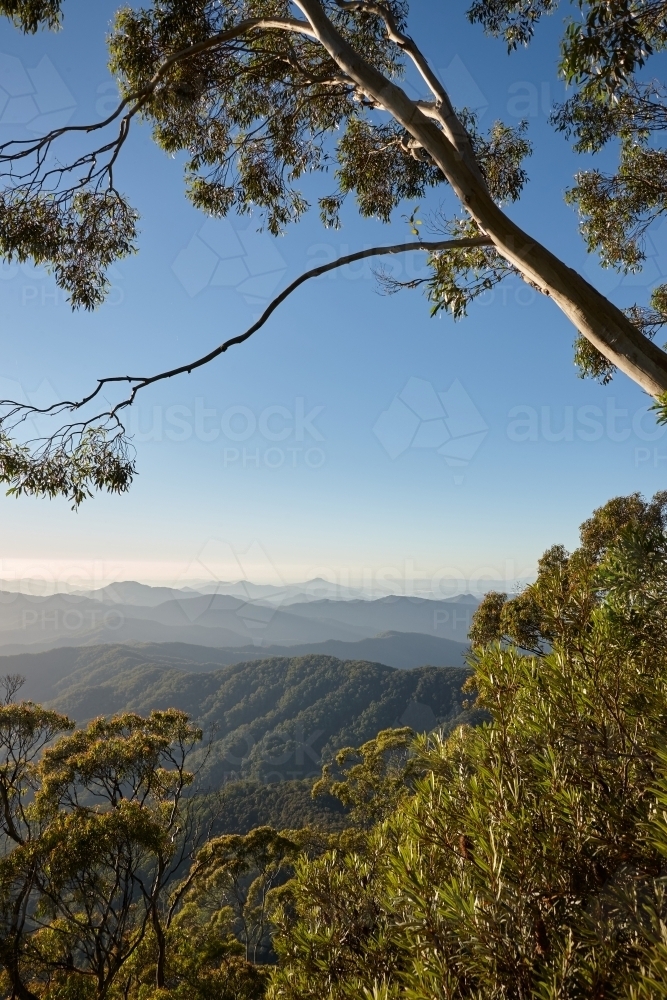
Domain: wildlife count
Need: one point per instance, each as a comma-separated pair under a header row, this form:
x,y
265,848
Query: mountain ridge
x,y
271,719
44,669
39,623
274,719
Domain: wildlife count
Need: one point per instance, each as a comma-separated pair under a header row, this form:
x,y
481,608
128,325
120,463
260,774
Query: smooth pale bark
x,y
594,316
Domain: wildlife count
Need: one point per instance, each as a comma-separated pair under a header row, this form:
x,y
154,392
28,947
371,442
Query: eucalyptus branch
x,y
442,110
136,100
403,41
95,453
315,272
139,382
18,149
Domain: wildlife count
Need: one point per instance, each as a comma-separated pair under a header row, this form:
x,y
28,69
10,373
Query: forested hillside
x,y
270,720
273,719
45,670
283,805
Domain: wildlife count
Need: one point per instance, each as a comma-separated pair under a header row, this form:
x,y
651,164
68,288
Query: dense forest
x,y
271,720
520,851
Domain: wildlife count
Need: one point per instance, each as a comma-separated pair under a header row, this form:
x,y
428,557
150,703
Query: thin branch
x,y
141,96
315,272
403,41
242,28
132,105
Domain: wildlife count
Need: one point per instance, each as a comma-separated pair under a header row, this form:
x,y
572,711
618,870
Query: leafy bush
x,y
532,859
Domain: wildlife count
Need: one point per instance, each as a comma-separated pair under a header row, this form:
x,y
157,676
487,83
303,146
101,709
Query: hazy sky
x,y
354,437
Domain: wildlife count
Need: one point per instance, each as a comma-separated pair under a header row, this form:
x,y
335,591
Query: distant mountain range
x,y
131,592
448,618
155,615
404,650
267,720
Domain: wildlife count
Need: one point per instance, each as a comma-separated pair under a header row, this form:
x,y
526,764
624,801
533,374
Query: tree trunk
x,y
160,965
594,316
160,937
10,945
10,960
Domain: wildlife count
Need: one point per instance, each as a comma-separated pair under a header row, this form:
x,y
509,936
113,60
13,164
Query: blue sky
x,y
318,447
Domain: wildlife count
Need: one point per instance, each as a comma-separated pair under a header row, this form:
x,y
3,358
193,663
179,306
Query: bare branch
x,y
95,452
139,382
134,102
10,684
315,272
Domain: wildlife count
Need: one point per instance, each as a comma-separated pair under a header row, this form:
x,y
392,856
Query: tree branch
x,y
94,452
139,382
442,110
315,272
19,149
242,28
141,96
403,41
594,316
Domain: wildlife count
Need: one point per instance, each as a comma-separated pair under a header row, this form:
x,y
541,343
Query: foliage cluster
x,y
523,857
531,858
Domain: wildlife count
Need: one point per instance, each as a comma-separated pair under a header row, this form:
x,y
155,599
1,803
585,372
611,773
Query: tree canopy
x,y
529,860
257,95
